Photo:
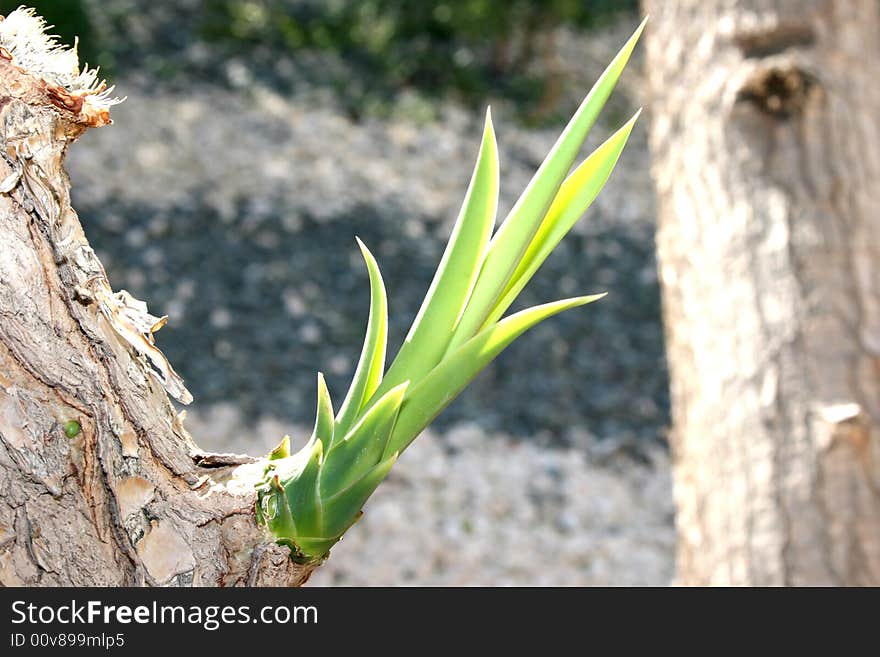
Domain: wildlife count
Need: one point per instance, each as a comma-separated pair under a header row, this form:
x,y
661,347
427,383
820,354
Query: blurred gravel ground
x,y
233,209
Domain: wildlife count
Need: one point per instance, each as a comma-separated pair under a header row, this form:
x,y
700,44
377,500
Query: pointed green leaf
x,y
360,450
301,487
369,369
455,277
428,397
323,430
513,237
574,197
343,509
275,510
282,450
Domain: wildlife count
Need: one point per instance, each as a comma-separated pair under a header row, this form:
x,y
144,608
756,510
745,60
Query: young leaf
x,y
343,509
371,364
282,451
515,234
362,448
435,391
275,510
574,197
455,277
301,487
323,430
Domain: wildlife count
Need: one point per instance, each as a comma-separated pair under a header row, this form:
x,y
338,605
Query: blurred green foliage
x,y
470,47
467,48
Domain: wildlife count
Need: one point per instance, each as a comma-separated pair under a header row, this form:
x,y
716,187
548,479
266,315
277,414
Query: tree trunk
x,y
99,482
766,149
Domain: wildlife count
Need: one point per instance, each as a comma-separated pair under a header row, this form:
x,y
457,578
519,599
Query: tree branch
x,y
100,484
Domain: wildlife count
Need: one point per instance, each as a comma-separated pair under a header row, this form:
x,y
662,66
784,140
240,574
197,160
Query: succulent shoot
x,y
309,499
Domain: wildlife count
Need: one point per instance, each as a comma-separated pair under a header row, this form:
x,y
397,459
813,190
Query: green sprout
x,y
72,428
309,499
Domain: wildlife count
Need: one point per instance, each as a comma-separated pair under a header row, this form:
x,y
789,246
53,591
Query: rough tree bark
x,y
766,147
129,500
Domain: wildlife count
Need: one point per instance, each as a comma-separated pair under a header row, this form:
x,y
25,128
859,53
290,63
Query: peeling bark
x,y
765,139
129,500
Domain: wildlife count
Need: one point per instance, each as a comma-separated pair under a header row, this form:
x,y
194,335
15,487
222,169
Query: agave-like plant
x,y
309,499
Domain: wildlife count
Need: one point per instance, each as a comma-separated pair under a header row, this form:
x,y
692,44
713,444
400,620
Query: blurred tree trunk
x,y
766,151
100,484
